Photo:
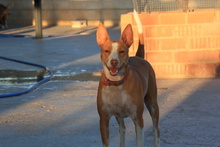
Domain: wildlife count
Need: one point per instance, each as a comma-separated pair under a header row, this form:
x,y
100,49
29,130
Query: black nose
x,y
114,62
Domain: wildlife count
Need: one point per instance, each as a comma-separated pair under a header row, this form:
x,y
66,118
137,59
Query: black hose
x,y
32,87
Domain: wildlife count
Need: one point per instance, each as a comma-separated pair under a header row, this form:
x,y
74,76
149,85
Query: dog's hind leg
x,y
139,131
154,113
121,130
152,106
139,125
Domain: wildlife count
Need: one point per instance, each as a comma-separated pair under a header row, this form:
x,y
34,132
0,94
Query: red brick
x,y
159,31
151,32
195,56
204,42
150,18
152,44
202,16
194,30
202,70
160,57
165,31
218,42
202,56
173,43
181,57
211,55
210,29
170,70
197,43
198,56
188,57
187,70
173,18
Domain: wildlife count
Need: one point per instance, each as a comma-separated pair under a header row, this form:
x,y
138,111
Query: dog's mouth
x,y
114,71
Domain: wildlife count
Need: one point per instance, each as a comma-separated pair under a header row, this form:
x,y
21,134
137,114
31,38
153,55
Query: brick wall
x,y
178,44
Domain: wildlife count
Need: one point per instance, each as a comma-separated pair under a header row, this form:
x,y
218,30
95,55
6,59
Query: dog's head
x,y
114,54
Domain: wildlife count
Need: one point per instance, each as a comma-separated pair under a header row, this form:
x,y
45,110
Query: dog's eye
x,y
106,51
121,52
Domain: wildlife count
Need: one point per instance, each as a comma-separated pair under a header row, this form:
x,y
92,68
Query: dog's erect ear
x,y
101,34
127,35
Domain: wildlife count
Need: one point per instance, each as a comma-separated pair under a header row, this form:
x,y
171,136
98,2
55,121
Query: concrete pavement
x,y
62,112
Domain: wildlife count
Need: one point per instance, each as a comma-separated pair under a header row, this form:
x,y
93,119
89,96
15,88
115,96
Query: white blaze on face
x,y
114,54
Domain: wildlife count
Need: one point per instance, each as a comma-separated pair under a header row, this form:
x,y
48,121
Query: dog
x,y
126,84
4,14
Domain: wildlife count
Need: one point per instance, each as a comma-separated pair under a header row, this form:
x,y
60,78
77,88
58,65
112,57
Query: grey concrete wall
x,y
63,12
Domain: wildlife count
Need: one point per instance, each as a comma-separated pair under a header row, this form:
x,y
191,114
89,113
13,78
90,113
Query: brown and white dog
x,y
4,14
127,83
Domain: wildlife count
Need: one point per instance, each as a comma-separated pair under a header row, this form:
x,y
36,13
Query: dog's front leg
x,y
104,129
121,130
139,131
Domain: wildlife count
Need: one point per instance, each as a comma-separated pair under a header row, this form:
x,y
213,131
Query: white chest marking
x,y
117,102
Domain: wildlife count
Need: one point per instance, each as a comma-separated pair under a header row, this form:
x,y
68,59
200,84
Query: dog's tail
x,y
140,51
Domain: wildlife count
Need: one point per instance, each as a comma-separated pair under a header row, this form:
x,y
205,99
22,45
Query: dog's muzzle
x,y
114,71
